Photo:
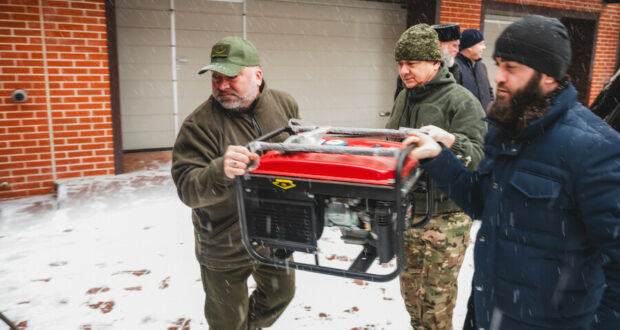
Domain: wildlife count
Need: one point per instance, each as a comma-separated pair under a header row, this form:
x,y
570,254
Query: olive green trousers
x,y
227,304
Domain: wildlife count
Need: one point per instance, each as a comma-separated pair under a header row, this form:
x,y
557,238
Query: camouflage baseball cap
x,y
230,55
418,43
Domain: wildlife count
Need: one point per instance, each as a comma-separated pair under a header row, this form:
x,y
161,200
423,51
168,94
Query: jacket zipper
x,y
255,124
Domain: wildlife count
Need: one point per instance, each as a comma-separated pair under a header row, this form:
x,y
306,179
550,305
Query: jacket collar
x,y
466,60
442,77
497,134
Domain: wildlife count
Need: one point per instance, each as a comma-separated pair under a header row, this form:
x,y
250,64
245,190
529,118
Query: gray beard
x,y
449,60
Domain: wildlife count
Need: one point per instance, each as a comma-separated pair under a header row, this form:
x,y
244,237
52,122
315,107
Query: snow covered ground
x,y
117,253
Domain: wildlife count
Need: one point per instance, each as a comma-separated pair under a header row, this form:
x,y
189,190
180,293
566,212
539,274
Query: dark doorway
x,y
422,11
580,32
582,28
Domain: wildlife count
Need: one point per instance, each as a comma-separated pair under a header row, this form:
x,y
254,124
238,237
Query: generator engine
x,y
359,185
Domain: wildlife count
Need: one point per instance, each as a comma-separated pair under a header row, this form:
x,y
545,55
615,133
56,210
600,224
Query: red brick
x,y
24,143
21,55
21,129
24,172
13,24
96,172
63,106
42,163
58,34
84,20
29,186
22,158
92,146
42,177
20,114
24,17
79,140
69,175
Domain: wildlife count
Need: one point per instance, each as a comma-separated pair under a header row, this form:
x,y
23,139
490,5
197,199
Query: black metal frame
x,y
245,186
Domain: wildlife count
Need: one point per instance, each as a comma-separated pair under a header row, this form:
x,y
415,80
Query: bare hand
x,y
439,135
236,160
427,147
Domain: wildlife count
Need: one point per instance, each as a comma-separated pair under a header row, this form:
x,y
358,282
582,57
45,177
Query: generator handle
x,y
402,157
400,212
283,129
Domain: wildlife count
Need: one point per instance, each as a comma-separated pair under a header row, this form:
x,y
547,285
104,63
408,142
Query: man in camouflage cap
x,y
207,155
435,103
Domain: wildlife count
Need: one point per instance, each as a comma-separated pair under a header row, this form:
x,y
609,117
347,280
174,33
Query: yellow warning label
x,y
284,184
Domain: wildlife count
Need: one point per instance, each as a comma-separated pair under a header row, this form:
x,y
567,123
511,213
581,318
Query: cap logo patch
x,y
220,50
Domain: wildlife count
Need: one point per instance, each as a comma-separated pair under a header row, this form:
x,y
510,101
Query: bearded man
x,y
547,255
206,157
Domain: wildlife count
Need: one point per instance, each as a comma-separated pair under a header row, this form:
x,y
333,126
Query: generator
x,y
353,179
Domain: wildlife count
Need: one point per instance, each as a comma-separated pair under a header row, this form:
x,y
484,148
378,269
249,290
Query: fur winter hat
x,y
418,43
447,32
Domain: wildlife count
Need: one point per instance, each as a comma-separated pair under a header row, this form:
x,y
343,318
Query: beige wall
x,y
334,57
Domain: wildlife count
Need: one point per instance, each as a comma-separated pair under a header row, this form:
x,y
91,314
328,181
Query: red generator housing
x,y
360,185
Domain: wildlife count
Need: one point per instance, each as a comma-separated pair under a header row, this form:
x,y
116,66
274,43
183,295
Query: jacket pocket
x,y
535,203
535,186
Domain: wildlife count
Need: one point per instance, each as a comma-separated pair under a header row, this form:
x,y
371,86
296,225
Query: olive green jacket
x,y
198,172
443,103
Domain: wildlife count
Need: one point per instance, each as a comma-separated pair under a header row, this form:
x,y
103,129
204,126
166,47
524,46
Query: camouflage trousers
x,y
434,254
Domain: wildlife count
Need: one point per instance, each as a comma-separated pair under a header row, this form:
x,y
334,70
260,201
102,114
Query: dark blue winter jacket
x,y
547,254
475,78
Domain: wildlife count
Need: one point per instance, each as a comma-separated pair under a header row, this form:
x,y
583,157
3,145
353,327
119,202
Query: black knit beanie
x,y
470,37
540,42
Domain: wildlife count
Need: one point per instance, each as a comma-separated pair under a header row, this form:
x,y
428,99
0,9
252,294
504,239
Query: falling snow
x,y
117,252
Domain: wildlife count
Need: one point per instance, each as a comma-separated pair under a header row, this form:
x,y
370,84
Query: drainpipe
x,y
245,13
175,88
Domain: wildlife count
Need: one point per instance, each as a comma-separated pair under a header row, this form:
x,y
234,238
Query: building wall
x,y
469,12
56,51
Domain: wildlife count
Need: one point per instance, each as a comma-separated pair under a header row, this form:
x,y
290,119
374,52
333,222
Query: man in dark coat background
x,y
547,255
474,73
607,102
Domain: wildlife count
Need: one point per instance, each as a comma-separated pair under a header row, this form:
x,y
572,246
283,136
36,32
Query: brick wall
x,y
469,12
56,51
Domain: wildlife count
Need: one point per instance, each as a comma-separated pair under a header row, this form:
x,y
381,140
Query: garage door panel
x,y
143,4
322,59
148,122
144,106
136,90
269,42
328,10
147,140
335,57
143,18
144,54
201,39
317,28
209,6
204,21
144,71
127,36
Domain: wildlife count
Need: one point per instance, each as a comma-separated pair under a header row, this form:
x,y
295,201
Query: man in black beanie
x,y
474,73
547,191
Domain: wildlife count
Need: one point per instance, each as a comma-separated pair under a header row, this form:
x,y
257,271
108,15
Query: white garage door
x,y
335,57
